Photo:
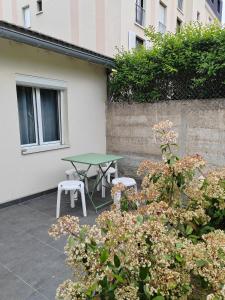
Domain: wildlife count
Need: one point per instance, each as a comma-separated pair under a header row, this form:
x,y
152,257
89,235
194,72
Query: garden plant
x,y
166,241
186,65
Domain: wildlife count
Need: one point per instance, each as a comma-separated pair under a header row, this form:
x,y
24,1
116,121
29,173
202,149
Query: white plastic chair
x,y
73,186
71,174
111,172
127,182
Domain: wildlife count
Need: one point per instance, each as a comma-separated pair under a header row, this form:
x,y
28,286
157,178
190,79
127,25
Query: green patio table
x,y
93,159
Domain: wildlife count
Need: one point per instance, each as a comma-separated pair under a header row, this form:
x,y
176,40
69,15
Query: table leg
x,y
98,180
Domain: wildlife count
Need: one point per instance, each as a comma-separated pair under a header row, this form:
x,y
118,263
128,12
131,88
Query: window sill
x,y
139,25
39,13
44,148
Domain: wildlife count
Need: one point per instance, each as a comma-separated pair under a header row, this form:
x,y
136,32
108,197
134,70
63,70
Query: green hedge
x,y
187,65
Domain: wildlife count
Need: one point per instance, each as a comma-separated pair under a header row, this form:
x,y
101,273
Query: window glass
x,y
162,18
140,12
50,115
26,17
26,115
180,4
39,5
39,115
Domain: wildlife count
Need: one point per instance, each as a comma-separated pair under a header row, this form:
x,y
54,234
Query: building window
x,y
26,17
139,41
179,24
140,12
162,18
39,116
210,20
39,6
180,4
198,16
219,6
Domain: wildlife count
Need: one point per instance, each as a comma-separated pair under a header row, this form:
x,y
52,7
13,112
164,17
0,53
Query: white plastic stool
x,y
110,172
71,174
73,186
127,182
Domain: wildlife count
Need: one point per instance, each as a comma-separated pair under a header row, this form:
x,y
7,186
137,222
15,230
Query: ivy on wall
x,y
187,65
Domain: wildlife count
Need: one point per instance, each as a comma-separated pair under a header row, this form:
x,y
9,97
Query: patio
x,y
32,265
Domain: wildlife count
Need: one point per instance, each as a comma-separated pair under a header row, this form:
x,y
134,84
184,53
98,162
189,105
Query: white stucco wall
x,y
23,175
101,25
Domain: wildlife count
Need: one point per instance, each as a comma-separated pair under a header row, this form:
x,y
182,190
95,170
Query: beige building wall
x,y
102,25
84,117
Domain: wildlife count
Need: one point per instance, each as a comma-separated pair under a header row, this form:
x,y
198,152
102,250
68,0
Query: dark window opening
x,y
219,6
139,41
39,5
179,25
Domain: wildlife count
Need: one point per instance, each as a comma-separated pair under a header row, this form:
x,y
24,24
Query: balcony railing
x,y
162,28
180,4
140,15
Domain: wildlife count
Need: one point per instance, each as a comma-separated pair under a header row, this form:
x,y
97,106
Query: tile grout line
x,y
21,279
44,243
34,209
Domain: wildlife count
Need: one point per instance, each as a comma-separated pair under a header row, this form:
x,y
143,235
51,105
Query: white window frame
x,y
38,83
26,12
164,21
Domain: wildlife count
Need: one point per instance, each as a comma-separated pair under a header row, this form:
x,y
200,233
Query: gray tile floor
x,y
31,263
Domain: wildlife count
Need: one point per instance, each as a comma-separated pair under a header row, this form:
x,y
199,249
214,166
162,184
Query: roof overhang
x,y
39,40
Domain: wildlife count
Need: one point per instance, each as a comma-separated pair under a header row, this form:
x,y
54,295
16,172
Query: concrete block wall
x,y
200,124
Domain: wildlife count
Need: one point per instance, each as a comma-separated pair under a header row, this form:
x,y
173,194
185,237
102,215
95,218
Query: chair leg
x,y
58,203
86,183
67,178
73,197
103,187
116,168
108,177
83,202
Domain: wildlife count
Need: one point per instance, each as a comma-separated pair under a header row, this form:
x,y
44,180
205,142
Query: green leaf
x,y
71,241
104,255
221,253
118,278
201,263
179,258
143,273
179,245
116,261
104,282
140,219
189,230
158,298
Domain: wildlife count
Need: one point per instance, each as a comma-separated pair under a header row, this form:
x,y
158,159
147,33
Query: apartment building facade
x,y
104,25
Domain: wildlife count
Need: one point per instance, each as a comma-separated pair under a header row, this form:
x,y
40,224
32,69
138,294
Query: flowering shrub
x,y
160,243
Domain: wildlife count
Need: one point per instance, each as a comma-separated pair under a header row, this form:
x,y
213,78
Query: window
x,y
162,18
219,6
140,12
180,4
210,20
198,16
39,116
26,17
179,24
39,6
139,41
